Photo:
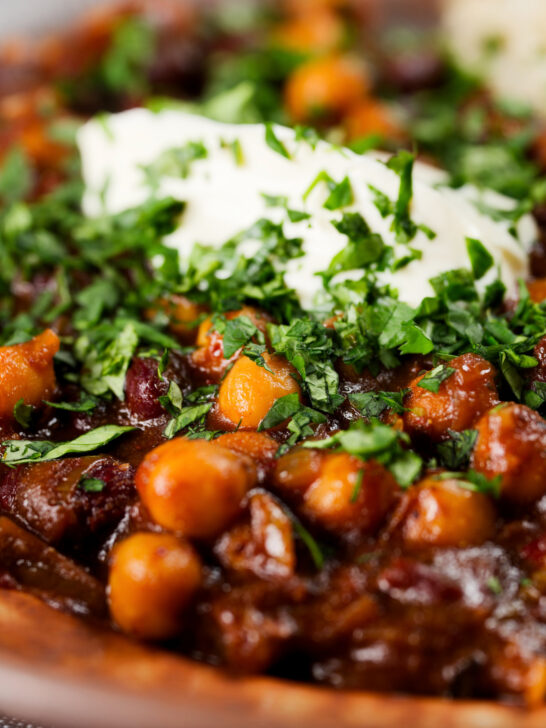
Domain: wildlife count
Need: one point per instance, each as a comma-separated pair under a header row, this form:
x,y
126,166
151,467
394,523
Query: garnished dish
x,y
273,340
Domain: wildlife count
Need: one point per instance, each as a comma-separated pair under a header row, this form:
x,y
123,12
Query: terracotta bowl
x,y
56,669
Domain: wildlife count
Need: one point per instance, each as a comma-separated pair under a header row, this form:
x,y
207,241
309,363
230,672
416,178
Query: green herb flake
x,y
18,452
23,413
494,585
341,195
455,453
91,485
481,259
433,379
274,143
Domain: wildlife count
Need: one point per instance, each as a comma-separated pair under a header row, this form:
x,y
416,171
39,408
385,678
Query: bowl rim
x,y
56,668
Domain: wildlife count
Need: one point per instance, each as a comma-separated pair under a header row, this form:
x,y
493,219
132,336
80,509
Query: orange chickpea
x,y
209,357
295,471
249,391
308,7
512,443
461,399
350,494
194,487
153,578
325,86
317,32
26,372
371,117
537,290
442,513
256,445
183,315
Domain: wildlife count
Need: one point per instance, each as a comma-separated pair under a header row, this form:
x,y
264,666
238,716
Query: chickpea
x,y
249,391
350,494
26,372
537,290
317,32
183,315
461,399
442,513
153,578
512,443
194,487
326,86
371,117
256,445
209,357
295,471
307,7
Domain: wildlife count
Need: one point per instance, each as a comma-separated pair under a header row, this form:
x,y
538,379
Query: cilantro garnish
x,y
364,247
199,403
481,259
301,417
18,452
384,444
373,404
174,162
91,485
455,453
341,193
23,413
474,481
274,143
238,332
433,379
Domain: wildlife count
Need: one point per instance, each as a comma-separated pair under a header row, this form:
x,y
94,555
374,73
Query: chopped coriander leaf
x,y
341,195
403,226
494,585
373,404
19,452
290,408
236,149
187,416
309,347
15,176
380,442
275,200
481,259
274,143
383,203
307,134
297,215
91,485
172,401
123,68
474,481
174,162
23,413
357,486
433,379
315,551
237,332
106,370
455,453
363,248
535,397
282,409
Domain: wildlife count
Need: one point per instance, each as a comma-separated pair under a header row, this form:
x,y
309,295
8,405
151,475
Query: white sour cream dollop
x,y
225,195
